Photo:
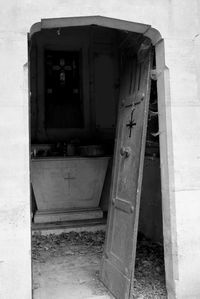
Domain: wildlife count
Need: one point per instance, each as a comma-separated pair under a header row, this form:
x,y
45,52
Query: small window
x,y
63,101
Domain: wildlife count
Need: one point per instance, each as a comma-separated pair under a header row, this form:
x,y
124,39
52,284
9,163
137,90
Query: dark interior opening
x,y
74,82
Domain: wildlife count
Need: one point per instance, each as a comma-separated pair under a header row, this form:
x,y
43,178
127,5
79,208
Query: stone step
x,y
67,215
68,226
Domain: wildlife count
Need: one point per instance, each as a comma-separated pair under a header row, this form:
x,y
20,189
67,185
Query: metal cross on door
x,y
117,268
131,123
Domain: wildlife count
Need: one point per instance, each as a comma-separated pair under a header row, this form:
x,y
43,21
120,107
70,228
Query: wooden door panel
x,y
119,254
119,284
120,249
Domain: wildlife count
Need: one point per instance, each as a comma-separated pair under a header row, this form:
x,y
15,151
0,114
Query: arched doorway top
x,y
144,29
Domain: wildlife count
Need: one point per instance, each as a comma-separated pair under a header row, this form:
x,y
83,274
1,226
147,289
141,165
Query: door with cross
x,y
117,269
131,123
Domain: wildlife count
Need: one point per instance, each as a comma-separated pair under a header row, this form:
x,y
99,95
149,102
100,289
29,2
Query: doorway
x,y
79,121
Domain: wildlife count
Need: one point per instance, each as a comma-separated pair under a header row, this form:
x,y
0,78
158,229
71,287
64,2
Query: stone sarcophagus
x,y
68,188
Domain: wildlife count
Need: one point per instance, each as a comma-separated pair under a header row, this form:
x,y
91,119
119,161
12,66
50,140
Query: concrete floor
x,y
69,275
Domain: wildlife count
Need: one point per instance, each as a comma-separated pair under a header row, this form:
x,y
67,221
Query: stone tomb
x,y
68,188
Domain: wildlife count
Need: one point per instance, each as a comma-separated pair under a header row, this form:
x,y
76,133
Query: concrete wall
x,y
178,21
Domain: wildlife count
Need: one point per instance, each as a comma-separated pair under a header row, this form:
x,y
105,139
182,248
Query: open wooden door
x,y
118,261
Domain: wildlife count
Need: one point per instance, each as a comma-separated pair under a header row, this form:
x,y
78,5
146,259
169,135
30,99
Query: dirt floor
x,y
66,266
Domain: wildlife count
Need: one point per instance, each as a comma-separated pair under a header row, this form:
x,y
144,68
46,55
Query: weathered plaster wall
x,y
15,253
179,24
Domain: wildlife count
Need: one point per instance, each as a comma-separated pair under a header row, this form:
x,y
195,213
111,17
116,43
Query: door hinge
x,y
156,134
155,74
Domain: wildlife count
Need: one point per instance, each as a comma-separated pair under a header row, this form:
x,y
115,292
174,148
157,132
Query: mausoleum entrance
x,y
90,89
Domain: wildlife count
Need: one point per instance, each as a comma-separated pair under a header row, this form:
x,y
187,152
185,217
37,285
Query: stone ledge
x,y
67,215
69,226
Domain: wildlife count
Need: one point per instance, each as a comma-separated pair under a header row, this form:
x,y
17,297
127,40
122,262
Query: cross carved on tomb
x,y
68,177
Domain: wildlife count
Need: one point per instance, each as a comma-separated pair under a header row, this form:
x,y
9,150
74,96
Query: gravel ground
x,y
149,270
149,267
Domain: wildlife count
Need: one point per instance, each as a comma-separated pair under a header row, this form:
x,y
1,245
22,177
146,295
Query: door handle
x,y
125,151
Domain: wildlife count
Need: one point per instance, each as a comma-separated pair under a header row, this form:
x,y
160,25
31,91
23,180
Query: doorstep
x,y
69,226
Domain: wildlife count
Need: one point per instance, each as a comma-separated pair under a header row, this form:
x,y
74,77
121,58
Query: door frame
x,y
165,130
